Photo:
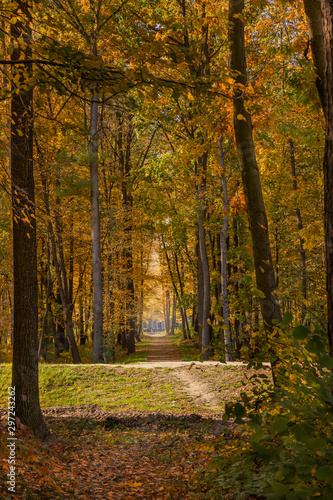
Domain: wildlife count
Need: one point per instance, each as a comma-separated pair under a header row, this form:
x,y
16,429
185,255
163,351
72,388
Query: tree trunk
x,y
167,312
299,223
224,271
25,333
327,10
174,313
206,337
249,170
42,343
60,267
96,235
314,19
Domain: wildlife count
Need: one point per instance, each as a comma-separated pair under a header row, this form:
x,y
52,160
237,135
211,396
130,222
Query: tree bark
x,y
96,235
25,332
327,11
42,345
167,312
264,270
314,19
299,222
224,270
60,267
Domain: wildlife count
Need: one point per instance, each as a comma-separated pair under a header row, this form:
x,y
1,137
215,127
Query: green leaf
x,y
315,345
324,473
287,318
279,488
256,436
239,410
300,332
303,433
300,493
316,443
326,361
303,469
263,452
280,423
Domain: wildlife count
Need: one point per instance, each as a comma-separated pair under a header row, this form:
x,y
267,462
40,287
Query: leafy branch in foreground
x,y
285,447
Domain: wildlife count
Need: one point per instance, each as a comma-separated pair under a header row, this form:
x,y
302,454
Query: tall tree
x,y
224,266
327,10
314,19
264,270
25,337
96,233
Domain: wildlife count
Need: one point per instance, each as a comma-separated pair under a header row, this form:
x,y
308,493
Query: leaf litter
x,y
124,454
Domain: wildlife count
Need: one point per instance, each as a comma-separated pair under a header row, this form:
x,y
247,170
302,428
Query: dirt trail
x,y
161,349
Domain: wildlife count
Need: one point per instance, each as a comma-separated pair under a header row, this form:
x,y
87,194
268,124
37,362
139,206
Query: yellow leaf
x,y
241,117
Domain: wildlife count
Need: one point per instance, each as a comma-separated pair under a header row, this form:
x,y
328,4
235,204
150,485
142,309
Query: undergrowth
x,y
188,349
284,446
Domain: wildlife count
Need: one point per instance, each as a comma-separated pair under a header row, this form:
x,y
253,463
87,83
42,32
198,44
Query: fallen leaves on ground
x,y
124,456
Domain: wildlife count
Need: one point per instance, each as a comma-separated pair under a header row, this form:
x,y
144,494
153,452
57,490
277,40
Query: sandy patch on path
x,y
199,391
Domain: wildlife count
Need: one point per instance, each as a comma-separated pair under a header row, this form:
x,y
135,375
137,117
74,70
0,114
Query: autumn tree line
x,y
194,131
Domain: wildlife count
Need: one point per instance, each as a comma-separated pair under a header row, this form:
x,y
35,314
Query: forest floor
x,y
158,445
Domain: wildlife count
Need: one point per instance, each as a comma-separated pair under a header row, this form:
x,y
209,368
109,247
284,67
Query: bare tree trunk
x,y
186,330
327,10
173,318
167,312
47,300
299,223
200,288
264,270
314,19
224,270
203,264
60,269
25,335
96,235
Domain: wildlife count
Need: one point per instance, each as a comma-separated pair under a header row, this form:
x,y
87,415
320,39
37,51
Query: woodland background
x,y
171,161
157,113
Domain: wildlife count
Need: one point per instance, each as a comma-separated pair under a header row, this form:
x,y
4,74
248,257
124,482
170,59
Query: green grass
x,y
110,388
140,355
86,354
188,349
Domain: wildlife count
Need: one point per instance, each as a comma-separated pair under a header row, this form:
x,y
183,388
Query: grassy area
x,y
86,353
110,388
140,354
188,349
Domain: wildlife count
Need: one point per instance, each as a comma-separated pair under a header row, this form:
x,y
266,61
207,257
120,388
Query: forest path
x,y
161,349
